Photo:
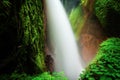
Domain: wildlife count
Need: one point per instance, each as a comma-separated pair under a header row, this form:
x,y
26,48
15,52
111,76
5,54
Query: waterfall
x,y
66,54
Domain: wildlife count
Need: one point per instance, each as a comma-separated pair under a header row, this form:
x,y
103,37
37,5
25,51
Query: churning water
x,y
66,54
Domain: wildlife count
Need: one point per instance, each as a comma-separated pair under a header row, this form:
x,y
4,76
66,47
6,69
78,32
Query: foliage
x,y
76,19
105,7
21,36
28,54
5,4
106,64
31,37
43,76
54,76
84,2
108,13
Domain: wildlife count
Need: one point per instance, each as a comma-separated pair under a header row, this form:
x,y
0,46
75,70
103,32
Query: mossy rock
x,y
108,12
106,64
22,36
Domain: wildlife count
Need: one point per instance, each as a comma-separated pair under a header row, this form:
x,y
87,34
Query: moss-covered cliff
x,y
22,37
108,12
105,65
31,47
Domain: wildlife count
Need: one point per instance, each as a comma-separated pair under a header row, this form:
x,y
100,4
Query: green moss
x,y
76,19
105,65
105,7
43,76
108,13
32,36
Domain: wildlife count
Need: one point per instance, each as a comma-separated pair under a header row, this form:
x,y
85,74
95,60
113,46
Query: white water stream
x,y
66,54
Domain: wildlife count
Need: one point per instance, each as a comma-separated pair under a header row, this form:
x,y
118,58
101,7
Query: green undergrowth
x,y
106,64
43,76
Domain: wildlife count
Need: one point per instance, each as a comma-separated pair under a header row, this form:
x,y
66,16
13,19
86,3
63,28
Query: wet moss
x,y
31,37
106,63
108,13
22,37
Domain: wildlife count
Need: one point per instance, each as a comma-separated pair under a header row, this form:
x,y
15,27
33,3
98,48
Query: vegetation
x,y
102,8
31,35
22,41
108,13
105,65
43,76
80,15
21,37
76,19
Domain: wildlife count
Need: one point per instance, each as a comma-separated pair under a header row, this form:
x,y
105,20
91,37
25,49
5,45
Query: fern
x,y
105,65
43,76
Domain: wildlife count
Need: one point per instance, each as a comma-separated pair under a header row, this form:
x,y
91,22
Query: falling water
x,y
66,54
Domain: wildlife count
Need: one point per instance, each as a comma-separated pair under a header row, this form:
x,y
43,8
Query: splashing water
x,y
66,54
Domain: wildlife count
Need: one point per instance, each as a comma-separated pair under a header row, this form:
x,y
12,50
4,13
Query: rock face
x,y
21,37
90,37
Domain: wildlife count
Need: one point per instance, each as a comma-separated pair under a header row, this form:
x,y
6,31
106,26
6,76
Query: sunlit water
x,y
66,54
